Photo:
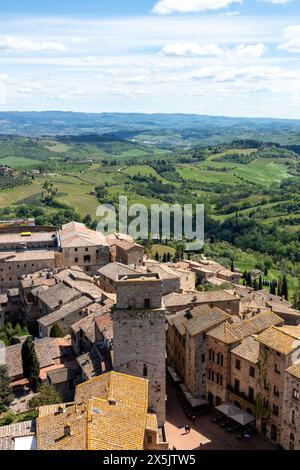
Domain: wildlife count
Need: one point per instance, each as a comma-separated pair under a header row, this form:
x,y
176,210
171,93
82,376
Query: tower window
x,y
145,371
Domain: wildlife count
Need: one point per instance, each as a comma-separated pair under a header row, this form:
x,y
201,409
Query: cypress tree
x,y
279,288
6,396
164,258
157,256
284,288
260,283
232,266
31,365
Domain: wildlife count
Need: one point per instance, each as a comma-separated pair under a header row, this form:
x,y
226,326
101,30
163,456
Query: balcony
x,y
241,395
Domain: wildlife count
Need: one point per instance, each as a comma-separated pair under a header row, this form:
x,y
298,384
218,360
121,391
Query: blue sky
x,y
221,57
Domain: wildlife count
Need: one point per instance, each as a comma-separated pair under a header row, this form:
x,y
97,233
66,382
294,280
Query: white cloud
x,y
192,49
16,44
291,39
165,7
250,51
278,2
240,52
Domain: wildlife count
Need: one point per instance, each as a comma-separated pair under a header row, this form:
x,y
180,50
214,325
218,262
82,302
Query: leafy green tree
x,y
6,396
30,363
47,395
179,251
49,193
101,193
56,331
87,220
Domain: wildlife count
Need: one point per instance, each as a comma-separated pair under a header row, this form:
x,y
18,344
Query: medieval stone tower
x,y
140,335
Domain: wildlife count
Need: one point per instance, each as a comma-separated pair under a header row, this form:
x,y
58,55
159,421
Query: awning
x,y
228,409
243,418
235,413
173,374
194,402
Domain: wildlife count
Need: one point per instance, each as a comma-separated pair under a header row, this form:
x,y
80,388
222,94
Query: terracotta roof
x,y
113,270
282,339
248,349
90,363
224,333
126,245
17,238
87,288
98,315
9,433
175,299
68,309
61,375
110,413
53,296
294,370
75,235
198,319
47,350
231,333
74,272
164,271
28,255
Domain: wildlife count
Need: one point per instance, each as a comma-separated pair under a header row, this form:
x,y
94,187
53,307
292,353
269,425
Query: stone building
x,y
170,278
244,373
9,306
82,247
290,435
139,335
186,344
220,342
107,276
65,316
13,265
127,252
279,350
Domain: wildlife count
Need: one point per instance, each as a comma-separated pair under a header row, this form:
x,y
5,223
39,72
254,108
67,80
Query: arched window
x,y
145,371
212,376
293,416
221,379
218,378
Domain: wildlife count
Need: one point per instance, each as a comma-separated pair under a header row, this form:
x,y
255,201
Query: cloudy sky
x,y
217,57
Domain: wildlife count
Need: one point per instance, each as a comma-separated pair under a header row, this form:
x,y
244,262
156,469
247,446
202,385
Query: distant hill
x,y
159,129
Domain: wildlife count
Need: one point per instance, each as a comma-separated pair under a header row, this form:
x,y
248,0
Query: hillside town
x,y
119,335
